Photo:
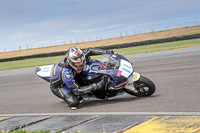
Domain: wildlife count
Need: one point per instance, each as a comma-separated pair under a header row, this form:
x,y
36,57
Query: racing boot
x,y
81,100
85,89
99,85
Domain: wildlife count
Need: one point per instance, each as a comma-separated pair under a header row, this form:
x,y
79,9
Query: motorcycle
x,y
118,73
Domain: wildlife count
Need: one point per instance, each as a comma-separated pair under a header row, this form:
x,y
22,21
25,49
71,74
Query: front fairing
x,y
116,66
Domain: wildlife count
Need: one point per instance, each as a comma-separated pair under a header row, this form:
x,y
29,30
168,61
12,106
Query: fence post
x,y
121,35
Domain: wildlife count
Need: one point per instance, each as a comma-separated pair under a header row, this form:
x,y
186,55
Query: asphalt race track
x,y
176,74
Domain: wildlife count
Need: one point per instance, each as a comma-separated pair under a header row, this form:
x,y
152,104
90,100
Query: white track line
x,y
105,113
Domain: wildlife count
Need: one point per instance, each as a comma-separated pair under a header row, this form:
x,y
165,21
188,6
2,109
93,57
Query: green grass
x,y
159,47
29,62
123,51
24,131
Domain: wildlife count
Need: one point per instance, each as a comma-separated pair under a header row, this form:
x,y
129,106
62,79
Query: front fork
x,y
134,77
130,85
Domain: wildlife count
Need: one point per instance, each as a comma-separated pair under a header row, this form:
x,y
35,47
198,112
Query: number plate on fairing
x,y
125,68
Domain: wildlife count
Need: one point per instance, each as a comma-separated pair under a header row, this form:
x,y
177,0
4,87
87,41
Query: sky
x,y
28,24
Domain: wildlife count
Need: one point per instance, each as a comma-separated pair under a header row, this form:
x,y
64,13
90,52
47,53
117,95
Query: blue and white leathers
x,y
62,81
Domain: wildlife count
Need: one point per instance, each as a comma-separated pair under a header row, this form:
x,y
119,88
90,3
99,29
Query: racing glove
x,y
109,51
79,90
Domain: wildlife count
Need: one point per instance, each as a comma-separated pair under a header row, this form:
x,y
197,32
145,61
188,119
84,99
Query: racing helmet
x,y
76,58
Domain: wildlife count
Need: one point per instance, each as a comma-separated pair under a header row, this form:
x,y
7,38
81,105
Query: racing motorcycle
x,y
118,73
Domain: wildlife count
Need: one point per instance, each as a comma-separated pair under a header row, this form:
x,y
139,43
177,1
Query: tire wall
x,y
117,46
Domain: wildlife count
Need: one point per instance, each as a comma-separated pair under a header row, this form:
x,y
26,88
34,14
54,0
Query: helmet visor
x,y
78,64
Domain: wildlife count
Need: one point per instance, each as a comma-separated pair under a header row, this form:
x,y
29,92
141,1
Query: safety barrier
x,y
117,46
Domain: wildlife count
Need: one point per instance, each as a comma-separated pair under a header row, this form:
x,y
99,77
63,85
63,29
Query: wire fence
x,y
129,31
134,44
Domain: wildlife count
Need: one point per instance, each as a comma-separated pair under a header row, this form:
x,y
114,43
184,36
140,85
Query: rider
x,y
62,82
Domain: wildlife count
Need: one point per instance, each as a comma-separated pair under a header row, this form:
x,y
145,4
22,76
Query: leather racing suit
x,y
63,84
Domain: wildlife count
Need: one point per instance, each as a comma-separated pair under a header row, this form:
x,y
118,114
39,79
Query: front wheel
x,y
143,87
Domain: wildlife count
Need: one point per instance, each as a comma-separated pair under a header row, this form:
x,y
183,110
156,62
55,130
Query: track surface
x,y
176,74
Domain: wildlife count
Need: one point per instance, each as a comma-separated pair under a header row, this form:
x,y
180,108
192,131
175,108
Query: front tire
x,y
144,86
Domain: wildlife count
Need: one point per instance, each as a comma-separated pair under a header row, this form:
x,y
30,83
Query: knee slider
x,y
56,91
71,100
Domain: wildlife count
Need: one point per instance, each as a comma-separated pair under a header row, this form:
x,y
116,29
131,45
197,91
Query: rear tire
x,y
144,86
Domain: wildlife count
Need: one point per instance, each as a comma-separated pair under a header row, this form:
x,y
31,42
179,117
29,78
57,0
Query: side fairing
x,y
119,73
92,73
113,74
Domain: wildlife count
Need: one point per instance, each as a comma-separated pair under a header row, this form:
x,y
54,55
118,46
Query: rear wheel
x,y
144,87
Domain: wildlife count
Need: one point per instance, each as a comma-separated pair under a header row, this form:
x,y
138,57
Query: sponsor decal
x,y
119,73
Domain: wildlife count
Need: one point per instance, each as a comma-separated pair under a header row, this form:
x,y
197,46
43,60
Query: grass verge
x,y
123,51
159,47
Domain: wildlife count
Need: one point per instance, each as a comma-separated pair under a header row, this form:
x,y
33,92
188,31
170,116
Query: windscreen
x,y
110,62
